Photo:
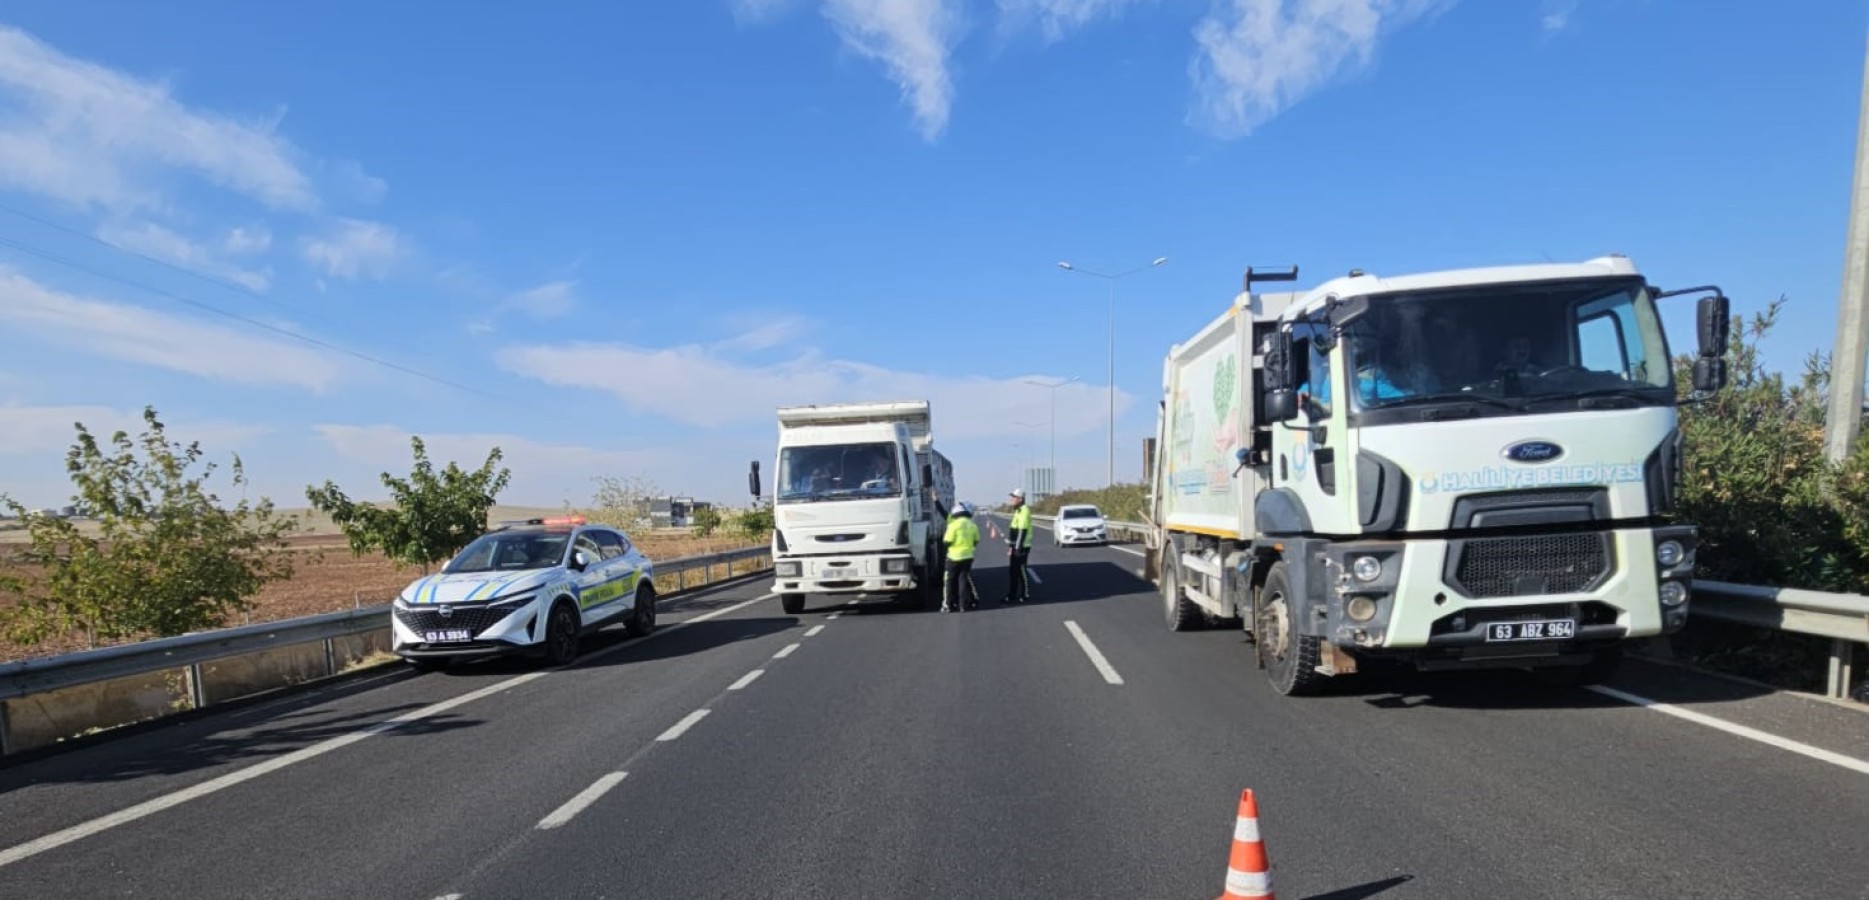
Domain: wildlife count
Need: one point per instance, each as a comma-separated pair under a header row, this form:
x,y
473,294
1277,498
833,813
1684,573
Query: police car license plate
x,y
1537,630
448,636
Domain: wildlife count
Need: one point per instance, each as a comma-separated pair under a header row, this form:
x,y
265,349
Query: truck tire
x,y
1603,666
1291,659
1180,612
793,604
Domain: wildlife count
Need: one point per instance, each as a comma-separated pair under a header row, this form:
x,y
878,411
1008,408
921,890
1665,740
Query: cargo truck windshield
x,y
838,472
1493,351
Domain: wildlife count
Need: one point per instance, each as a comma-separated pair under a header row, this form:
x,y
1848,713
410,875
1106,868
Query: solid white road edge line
x,y
155,805
680,728
585,798
785,652
1803,749
1096,656
746,679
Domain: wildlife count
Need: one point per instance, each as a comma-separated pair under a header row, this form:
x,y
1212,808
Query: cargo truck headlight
x,y
1361,608
1670,553
786,570
1366,568
895,567
1673,593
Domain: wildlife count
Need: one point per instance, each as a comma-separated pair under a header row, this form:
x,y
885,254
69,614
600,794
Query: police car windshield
x,y
838,472
511,551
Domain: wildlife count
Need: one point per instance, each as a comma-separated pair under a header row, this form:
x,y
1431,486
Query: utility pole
x,y
1847,359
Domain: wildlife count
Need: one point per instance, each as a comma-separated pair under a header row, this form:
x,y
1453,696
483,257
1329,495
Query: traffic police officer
x,y
1018,549
961,539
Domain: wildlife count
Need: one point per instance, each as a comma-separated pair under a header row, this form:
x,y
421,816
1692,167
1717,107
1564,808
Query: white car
x,y
526,587
1081,524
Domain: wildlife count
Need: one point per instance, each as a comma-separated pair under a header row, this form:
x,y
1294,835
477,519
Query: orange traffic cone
x,y
1249,875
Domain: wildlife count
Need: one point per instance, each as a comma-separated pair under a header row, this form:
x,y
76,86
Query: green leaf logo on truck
x,y
1226,376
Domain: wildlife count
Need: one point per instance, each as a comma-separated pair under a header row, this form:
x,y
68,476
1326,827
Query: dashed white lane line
x,y
785,652
214,785
1798,747
680,728
746,679
1096,656
1129,551
832,617
814,631
585,798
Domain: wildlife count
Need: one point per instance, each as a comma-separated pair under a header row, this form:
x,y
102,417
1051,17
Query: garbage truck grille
x,y
1531,565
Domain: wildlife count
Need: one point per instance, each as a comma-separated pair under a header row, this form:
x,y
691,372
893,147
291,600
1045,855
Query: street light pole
x,y
1053,419
1112,279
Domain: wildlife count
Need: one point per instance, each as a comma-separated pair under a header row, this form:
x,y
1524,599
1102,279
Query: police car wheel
x,y
561,635
642,618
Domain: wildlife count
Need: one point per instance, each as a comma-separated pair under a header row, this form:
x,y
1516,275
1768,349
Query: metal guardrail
x,y
1131,529
1844,618
189,652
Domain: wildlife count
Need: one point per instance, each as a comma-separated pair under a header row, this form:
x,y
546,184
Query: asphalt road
x,y
881,753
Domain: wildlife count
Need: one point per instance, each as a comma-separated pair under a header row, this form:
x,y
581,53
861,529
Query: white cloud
x,y
766,333
1557,15
49,429
540,469
1259,57
93,136
757,11
705,387
913,39
1057,18
548,300
179,344
247,241
157,242
358,185
356,249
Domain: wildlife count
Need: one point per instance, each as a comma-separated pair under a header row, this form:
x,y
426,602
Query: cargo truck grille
x,y
473,618
1529,566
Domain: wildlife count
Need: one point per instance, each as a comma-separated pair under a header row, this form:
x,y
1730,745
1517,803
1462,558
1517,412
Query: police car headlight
x,y
402,602
508,604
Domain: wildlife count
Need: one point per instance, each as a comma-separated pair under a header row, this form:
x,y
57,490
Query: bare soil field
x,y
328,577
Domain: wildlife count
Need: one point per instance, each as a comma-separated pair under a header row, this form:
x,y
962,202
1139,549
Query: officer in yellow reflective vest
x,y
1018,549
963,536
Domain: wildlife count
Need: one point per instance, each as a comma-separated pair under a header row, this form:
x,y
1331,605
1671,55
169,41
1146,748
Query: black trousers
x,y
1018,586
957,585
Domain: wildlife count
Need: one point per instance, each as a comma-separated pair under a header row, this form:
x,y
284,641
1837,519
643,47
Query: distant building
x,y
674,512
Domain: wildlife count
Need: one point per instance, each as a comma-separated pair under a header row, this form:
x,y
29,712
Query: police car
x,y
533,586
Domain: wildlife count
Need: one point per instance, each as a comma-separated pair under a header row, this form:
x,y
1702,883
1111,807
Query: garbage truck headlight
x,y
1673,593
786,570
1361,608
1366,568
1670,553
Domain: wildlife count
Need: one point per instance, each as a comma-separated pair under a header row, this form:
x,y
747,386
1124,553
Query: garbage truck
x,y
860,503
1457,469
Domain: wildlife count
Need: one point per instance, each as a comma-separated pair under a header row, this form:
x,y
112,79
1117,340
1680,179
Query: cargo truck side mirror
x,y
1280,401
1713,317
752,479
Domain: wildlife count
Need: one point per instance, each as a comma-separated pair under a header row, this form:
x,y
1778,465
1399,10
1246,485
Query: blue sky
x,y
612,237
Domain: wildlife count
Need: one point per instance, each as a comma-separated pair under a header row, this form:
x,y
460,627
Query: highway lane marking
x,y
814,631
832,616
680,728
746,679
1033,574
785,652
219,783
1130,552
1798,747
585,798
1096,656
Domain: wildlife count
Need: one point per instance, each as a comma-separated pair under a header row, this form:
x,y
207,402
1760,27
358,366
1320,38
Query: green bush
x,y
706,521
1119,503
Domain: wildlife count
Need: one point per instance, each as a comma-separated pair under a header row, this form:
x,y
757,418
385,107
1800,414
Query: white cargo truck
x,y
1458,469
861,499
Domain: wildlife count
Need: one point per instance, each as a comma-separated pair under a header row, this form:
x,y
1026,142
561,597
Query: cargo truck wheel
x,y
1602,667
793,604
1181,613
1290,658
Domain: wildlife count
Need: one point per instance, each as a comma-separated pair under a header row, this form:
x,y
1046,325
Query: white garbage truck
x,y
1457,469
861,498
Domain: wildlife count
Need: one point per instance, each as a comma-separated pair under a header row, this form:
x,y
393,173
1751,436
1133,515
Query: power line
x,y
284,332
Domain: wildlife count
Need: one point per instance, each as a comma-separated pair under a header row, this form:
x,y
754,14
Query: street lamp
x,y
1053,386
1112,279
1025,473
